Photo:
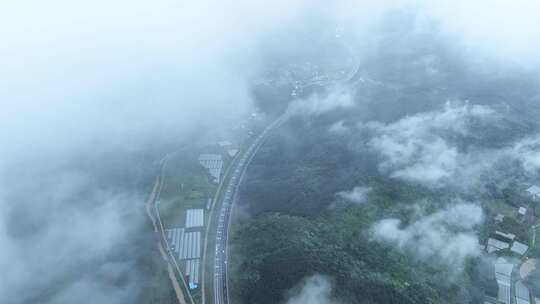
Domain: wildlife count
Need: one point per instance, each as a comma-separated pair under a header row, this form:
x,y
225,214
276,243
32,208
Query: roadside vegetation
x,y
292,223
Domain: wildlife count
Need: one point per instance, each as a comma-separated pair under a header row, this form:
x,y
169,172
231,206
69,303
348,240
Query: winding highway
x,y
220,271
221,288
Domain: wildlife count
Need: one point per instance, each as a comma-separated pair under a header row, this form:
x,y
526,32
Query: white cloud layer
x,y
502,30
338,98
82,76
444,238
357,195
53,254
424,148
527,151
338,128
415,148
316,289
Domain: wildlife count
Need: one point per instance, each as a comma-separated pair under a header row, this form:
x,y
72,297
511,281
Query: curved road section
x,y
221,289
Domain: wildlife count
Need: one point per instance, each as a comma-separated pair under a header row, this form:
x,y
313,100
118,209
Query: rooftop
x,y
508,236
495,245
519,248
503,268
533,190
522,293
194,218
503,271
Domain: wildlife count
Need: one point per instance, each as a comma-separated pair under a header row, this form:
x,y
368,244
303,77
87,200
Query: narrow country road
x,y
175,274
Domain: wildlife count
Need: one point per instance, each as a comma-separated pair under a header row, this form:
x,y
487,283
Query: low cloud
x,y
427,148
316,289
417,148
444,238
338,128
527,151
357,195
72,255
317,104
81,79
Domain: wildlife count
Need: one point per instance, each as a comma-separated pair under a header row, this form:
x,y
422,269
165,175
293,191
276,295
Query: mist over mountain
x,y
409,122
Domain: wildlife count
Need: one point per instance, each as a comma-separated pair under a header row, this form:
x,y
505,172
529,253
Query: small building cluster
x,y
494,245
519,248
501,243
213,163
232,152
194,218
230,147
192,272
187,244
534,192
503,276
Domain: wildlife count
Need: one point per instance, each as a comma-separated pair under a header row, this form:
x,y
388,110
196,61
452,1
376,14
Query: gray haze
x,y
83,84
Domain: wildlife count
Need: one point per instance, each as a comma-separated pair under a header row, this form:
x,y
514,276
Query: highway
x,y
220,280
221,286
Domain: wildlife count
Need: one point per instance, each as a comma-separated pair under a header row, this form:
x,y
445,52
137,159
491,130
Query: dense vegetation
x,y
284,249
297,226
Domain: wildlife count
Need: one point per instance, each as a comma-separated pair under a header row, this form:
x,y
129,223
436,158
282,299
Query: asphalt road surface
x,y
221,289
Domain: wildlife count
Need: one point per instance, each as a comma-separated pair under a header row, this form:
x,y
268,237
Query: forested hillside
x,y
426,138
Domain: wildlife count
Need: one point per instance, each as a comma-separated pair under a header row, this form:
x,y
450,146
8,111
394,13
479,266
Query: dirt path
x,y
149,211
176,286
150,201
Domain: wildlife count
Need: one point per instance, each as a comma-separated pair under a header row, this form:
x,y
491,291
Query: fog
x,y
85,86
357,195
82,87
315,289
337,98
434,237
